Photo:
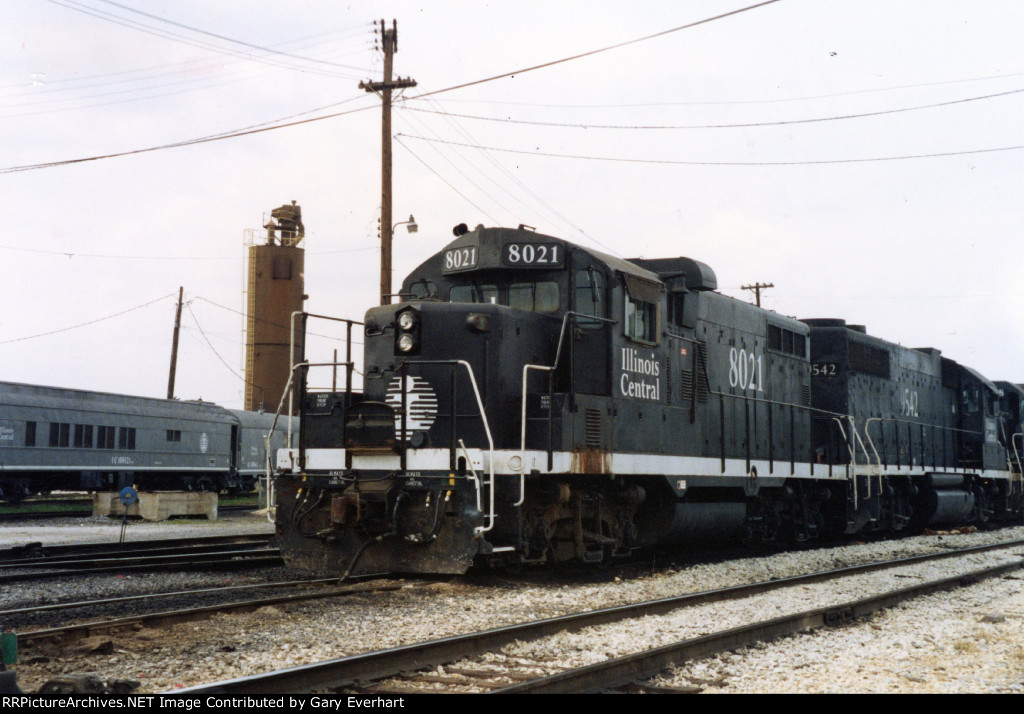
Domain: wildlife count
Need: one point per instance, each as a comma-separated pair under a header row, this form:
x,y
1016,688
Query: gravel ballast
x,y
970,640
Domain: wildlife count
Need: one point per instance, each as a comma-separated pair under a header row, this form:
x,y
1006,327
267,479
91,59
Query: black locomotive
x,y
74,440
531,400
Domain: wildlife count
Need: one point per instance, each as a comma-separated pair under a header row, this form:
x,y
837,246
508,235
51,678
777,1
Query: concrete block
x,y
160,505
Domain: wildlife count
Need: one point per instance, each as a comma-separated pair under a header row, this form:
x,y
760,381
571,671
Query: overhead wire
x,y
599,50
188,304
90,322
143,93
243,43
118,20
238,133
270,322
191,142
670,162
702,103
446,181
487,177
502,169
38,80
111,256
743,125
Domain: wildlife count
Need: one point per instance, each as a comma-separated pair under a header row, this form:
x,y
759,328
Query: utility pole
x,y
757,288
389,44
174,345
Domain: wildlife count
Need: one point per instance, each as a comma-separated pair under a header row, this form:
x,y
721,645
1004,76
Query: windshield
x,y
539,296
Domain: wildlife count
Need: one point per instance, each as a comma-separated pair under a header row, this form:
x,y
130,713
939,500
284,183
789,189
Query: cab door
x,y
590,343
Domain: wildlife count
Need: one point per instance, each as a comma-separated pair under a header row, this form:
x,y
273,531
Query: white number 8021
x,y
746,370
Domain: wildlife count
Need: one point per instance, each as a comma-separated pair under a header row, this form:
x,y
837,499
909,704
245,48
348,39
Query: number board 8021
x,y
533,255
456,259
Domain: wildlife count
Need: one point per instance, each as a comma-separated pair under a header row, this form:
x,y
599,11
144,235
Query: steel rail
x,y
113,556
621,671
88,512
14,553
380,664
50,607
70,633
224,560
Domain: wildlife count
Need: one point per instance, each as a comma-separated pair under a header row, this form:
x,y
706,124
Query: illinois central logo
x,y
420,400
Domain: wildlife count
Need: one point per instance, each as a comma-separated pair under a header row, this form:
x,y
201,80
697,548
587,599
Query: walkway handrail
x,y
483,418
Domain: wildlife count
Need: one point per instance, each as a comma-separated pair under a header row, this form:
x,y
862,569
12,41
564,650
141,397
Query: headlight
x,y
407,332
407,320
406,343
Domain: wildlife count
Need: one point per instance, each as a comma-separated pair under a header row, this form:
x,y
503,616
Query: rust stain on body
x,y
591,461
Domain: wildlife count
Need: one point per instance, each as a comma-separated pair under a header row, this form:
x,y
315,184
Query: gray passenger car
x,y
68,439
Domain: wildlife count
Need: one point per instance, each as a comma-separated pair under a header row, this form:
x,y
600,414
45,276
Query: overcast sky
x,y
864,156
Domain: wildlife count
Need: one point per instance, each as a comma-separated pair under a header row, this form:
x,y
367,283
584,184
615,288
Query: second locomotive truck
x,y
531,400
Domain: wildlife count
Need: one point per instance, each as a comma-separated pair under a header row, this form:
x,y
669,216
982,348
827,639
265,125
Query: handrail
x,y
895,420
302,358
268,471
472,475
812,413
1017,453
853,461
487,430
867,459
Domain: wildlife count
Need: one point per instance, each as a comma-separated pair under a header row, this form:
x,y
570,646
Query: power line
x,y
237,133
271,322
118,20
533,194
746,125
446,182
778,100
133,75
151,91
503,170
212,348
90,322
230,39
598,51
189,142
720,163
73,254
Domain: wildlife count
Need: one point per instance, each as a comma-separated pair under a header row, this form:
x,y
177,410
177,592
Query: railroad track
x,y
85,511
476,662
37,551
36,562
68,634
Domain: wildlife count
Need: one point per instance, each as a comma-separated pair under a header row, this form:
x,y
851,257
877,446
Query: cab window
x,y
474,293
970,399
641,320
589,297
535,297
423,289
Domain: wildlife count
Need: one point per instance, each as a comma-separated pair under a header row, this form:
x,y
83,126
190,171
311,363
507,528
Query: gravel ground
x,y
968,641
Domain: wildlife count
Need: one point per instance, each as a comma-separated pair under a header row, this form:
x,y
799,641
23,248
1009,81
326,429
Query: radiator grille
x,y
593,427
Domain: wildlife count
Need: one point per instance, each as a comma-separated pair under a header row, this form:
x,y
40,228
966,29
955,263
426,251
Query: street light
x,y
385,258
410,225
